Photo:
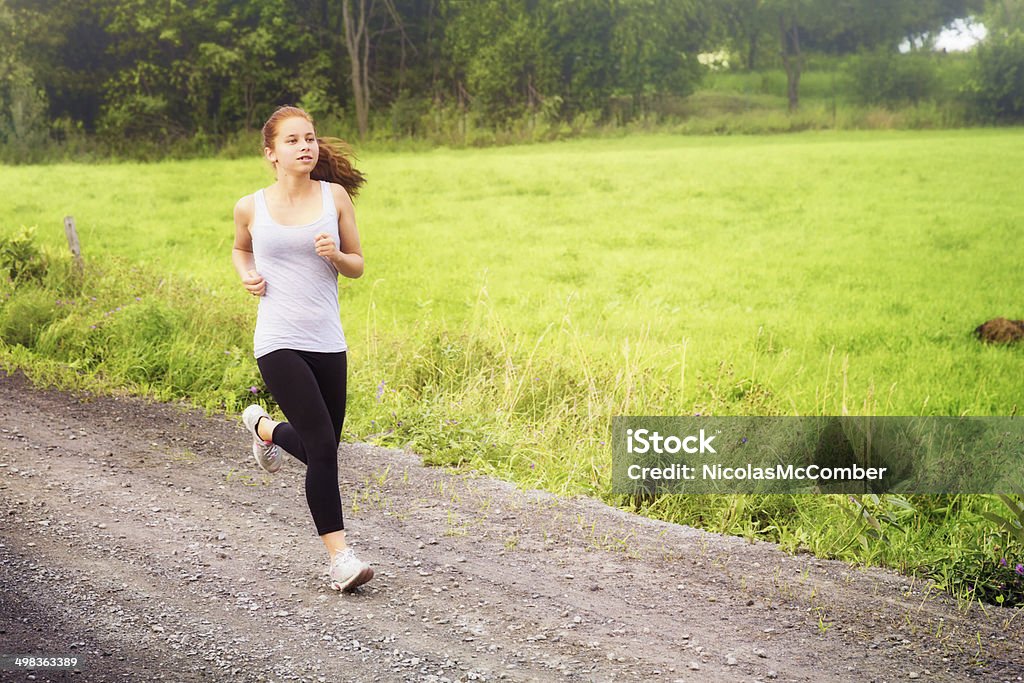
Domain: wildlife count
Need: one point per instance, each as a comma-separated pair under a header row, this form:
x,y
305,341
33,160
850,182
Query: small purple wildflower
x,y
532,465
744,440
254,390
138,298
380,390
92,327
1002,561
1019,569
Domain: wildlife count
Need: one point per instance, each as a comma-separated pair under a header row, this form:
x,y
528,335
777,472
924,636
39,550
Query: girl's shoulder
x,y
342,199
246,206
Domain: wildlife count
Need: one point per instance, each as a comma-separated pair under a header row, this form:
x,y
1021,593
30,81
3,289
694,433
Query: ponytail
x,y
334,166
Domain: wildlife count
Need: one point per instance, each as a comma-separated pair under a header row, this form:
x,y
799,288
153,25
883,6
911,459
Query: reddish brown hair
x,y
333,164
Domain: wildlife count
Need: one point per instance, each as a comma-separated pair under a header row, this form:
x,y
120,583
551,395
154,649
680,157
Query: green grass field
x,y
879,251
517,298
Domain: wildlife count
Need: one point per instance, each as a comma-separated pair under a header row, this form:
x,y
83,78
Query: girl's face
x,y
295,148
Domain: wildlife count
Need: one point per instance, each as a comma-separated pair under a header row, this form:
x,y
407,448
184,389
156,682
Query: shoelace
x,y
342,558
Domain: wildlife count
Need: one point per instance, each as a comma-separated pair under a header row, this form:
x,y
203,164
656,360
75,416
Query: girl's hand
x,y
325,246
255,283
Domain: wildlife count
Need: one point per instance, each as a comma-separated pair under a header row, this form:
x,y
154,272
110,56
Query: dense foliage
x,y
121,71
998,79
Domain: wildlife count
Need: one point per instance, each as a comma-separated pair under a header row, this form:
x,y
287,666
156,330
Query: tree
x,y
586,70
200,66
657,42
571,55
788,15
361,28
61,46
501,56
848,26
1003,16
920,20
357,42
743,26
997,81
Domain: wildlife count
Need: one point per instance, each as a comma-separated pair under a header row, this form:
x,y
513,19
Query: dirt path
x,y
140,537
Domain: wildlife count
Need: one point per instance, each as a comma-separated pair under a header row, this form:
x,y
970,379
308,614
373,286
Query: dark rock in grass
x,y
1000,331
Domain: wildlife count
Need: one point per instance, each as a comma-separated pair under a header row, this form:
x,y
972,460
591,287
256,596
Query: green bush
x,y
990,568
886,78
21,259
26,314
997,83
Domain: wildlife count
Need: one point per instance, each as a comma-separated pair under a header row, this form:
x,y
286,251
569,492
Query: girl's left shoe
x,y
268,456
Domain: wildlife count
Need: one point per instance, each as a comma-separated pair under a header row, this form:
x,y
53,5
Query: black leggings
x,y
310,388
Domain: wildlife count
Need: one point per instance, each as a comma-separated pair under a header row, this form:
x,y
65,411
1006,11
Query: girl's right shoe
x,y
347,571
268,456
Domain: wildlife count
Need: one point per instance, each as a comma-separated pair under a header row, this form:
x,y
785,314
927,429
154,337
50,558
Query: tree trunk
x,y
792,59
793,86
250,104
357,42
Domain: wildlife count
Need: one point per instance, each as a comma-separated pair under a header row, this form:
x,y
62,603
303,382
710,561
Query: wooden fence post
x,y
73,244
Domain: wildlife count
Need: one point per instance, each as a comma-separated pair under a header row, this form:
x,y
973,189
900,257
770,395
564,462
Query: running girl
x,y
292,240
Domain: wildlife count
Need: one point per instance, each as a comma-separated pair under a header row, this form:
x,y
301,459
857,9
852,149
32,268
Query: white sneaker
x,y
347,571
268,456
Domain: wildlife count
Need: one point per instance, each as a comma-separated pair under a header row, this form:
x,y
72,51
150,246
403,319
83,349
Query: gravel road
x,y
141,538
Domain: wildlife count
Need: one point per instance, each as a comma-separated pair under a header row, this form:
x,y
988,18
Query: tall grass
x,y
516,300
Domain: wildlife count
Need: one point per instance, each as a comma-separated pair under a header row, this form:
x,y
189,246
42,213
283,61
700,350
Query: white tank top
x,y
299,309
